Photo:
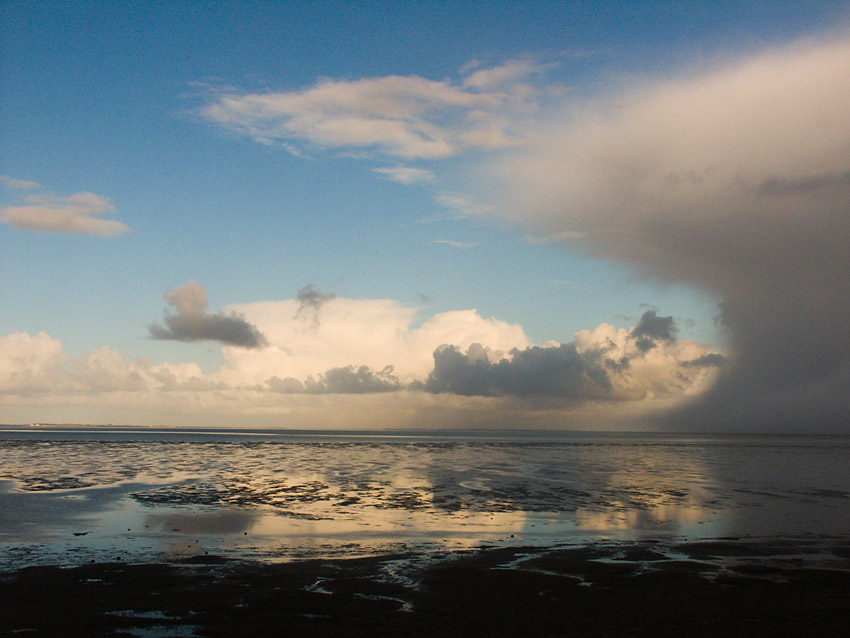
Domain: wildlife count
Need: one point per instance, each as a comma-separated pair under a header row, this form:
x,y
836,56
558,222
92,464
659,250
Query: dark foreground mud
x,y
704,589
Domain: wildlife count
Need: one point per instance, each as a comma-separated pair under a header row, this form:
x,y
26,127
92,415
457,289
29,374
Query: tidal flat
x,y
166,532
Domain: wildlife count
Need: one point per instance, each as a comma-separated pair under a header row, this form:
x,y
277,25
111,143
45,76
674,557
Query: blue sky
x,y
155,110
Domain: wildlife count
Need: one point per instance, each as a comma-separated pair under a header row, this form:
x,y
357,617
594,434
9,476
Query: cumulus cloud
x,y
652,327
401,116
605,364
375,333
78,213
192,322
735,180
38,366
558,371
405,174
344,380
458,370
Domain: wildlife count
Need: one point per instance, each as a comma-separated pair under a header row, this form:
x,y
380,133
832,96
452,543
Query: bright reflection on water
x,y
150,495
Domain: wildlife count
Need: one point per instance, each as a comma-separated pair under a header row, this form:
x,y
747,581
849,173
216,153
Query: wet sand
x,y
715,588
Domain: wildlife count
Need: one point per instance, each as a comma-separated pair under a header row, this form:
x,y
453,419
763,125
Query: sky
x,y
572,215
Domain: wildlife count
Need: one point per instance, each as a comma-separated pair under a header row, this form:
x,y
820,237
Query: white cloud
x,y
405,174
463,206
454,244
39,382
78,213
504,75
18,184
401,116
343,332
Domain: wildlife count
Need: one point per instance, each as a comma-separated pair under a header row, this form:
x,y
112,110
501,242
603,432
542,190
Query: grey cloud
x,y
711,359
346,380
651,327
191,322
310,302
735,182
777,186
560,372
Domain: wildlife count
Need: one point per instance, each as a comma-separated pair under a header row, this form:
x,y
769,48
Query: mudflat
x,y
642,589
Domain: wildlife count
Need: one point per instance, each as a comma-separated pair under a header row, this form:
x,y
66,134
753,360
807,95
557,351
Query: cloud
x,y
345,380
18,184
651,327
706,360
375,333
734,180
506,74
605,364
192,322
310,302
38,366
463,206
77,213
400,116
482,373
453,243
405,174
552,371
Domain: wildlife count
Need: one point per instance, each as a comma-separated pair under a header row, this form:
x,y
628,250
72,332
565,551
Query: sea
x,y
72,495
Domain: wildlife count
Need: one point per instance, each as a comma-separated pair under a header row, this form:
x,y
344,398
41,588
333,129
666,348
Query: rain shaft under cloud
x,y
734,180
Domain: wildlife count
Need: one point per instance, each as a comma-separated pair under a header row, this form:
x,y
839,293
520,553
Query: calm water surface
x,y
71,495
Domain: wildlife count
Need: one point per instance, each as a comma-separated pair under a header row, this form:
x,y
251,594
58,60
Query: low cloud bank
x,y
192,322
476,373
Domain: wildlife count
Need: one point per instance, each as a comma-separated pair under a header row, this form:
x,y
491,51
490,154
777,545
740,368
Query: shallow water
x,y
71,495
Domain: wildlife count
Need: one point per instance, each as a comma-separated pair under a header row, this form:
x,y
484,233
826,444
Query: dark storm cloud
x,y
191,321
346,380
560,372
758,215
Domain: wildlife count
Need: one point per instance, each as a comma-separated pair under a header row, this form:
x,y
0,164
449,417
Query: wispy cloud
x,y
507,74
453,243
463,206
192,322
399,116
18,184
310,302
78,213
405,174
555,238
